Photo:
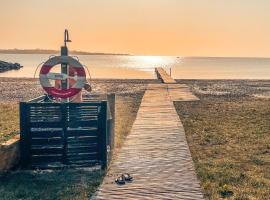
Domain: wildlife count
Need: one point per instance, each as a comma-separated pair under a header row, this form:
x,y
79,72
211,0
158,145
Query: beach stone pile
x,y
6,66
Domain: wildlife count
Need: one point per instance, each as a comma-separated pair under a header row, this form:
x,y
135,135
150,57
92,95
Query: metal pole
x,y
64,67
64,70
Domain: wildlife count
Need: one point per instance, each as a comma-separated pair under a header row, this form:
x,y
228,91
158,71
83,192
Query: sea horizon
x,y
81,53
142,67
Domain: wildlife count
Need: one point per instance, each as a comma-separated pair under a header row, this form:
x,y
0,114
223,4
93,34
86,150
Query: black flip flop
x,y
127,177
120,180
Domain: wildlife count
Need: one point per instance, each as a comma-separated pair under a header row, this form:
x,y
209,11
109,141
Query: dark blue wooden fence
x,y
58,135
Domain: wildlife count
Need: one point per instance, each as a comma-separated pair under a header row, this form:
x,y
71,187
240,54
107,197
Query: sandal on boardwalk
x,y
127,177
120,180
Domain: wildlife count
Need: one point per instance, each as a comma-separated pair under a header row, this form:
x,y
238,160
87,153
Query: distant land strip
x,y
47,51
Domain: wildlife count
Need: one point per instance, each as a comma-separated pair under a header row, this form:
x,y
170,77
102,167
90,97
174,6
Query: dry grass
x,y
9,121
230,143
127,107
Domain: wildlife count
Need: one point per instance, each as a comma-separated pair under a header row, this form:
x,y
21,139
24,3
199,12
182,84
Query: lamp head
x,y
66,37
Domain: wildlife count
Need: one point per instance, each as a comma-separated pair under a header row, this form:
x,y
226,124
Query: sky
x,y
239,28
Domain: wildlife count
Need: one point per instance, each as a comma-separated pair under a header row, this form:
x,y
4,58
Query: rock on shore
x,y
6,66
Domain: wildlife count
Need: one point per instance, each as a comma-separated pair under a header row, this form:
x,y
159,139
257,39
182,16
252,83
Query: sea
x,y
142,67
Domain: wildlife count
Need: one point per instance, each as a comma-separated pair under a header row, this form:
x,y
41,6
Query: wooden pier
x,y
155,152
163,76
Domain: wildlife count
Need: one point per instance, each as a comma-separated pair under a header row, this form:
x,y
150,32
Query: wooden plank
x,y
86,123
46,134
39,159
82,149
45,124
83,163
181,92
85,105
79,132
47,141
51,165
79,114
43,106
48,150
82,139
82,156
45,119
45,112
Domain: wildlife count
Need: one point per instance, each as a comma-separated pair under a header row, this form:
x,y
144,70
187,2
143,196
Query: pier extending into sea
x,y
155,152
163,76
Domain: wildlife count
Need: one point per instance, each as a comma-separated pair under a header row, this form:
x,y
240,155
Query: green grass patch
x,y
34,185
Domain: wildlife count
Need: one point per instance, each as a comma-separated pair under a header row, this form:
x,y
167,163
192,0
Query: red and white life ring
x,y
45,75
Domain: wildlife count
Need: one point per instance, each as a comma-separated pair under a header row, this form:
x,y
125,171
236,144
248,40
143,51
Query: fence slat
x,y
24,136
102,126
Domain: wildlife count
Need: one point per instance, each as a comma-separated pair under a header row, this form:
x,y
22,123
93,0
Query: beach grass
x,y
9,121
60,184
229,142
126,112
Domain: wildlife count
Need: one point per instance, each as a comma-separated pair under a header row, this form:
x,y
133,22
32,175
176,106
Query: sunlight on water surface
x,y
142,67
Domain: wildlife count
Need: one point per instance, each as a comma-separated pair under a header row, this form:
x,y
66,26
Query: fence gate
x,y
57,135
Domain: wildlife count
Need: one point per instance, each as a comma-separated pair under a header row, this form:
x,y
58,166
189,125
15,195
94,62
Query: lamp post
x,y
64,52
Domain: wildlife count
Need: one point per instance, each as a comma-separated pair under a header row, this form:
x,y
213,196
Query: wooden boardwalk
x,y
155,153
163,76
181,92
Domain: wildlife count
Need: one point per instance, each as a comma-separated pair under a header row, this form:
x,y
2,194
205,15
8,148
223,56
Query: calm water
x,y
141,67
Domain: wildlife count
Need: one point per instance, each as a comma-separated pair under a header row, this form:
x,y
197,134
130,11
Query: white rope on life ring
x,y
45,75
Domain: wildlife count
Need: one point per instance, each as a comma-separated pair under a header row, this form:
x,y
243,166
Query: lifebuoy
x,y
45,76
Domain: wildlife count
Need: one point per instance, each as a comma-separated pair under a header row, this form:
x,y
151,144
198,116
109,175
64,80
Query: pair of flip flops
x,y
121,180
